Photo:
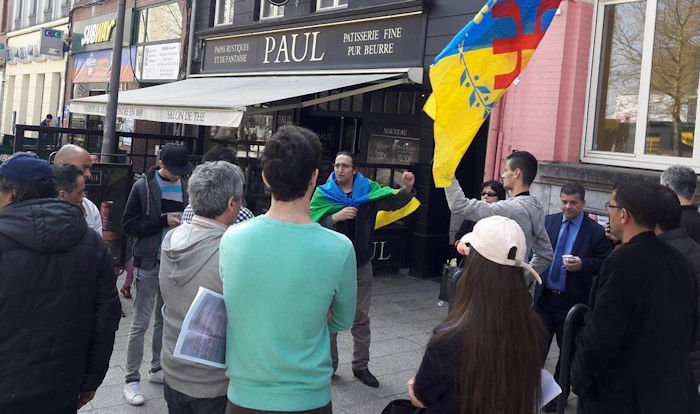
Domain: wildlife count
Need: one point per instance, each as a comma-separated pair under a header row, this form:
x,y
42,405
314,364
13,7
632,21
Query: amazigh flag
x,y
475,69
330,199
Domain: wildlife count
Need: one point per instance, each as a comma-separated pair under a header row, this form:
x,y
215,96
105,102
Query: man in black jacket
x,y
358,224
669,230
154,206
58,301
632,355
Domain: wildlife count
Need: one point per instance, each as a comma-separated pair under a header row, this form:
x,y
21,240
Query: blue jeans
x,y
147,297
179,403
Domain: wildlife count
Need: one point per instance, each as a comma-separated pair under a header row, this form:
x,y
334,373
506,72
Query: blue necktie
x,y
555,272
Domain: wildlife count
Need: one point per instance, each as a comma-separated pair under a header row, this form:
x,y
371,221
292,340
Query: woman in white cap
x,y
487,355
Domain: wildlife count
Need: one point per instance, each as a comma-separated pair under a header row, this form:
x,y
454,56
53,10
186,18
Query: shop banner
x,y
190,116
97,66
161,62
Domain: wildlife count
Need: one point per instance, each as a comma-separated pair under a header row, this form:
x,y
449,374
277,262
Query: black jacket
x,y
590,245
690,221
144,221
361,229
58,303
633,353
679,239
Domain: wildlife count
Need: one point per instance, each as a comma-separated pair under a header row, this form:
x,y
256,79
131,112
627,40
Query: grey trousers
x,y
361,333
147,297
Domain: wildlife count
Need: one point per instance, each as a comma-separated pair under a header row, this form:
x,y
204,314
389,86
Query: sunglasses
x,y
488,193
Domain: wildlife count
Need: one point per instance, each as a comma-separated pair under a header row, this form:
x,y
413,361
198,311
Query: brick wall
x,y
544,112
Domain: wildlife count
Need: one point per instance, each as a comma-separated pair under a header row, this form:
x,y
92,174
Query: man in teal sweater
x,y
287,282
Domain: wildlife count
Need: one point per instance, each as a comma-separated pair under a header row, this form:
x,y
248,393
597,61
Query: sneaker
x,y
156,377
132,393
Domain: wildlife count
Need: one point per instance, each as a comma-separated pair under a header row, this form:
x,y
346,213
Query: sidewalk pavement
x,y
403,314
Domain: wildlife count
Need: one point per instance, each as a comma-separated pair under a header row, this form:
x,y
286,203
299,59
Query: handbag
x,y
402,406
448,280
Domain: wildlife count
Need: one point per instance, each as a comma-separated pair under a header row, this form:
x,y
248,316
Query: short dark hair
x,y
527,164
348,154
681,179
669,211
66,176
496,187
26,192
289,160
220,153
639,199
49,116
572,188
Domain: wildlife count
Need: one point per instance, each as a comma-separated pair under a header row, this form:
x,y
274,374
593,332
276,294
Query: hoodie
x,y
58,303
526,210
189,259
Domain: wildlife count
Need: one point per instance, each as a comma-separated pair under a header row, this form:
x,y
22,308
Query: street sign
x,y
51,42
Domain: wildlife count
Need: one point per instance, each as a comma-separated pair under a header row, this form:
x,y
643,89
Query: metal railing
x,y
578,311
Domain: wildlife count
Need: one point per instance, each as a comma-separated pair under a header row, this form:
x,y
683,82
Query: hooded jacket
x,y
526,210
189,259
58,303
144,220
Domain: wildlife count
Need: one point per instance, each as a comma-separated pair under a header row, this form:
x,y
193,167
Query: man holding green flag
x,y
353,205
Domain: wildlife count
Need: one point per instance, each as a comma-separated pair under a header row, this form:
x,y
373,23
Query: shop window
x,y
270,11
391,102
330,4
642,110
357,103
224,12
406,102
346,104
377,102
334,105
159,23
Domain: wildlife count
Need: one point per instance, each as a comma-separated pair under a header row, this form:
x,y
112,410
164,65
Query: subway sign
x,y
98,32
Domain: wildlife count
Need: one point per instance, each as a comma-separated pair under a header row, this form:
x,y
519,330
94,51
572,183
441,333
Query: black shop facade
x,y
375,119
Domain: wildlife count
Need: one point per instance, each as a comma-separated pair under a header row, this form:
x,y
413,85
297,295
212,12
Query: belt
x,y
554,292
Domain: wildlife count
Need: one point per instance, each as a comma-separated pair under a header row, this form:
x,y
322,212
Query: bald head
x,y
75,155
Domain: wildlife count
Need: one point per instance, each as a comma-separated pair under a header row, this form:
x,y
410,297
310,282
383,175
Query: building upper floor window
x,y
330,4
642,107
159,23
267,10
224,12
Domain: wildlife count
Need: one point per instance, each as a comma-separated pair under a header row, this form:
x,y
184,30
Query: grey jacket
x,y
526,210
189,259
144,220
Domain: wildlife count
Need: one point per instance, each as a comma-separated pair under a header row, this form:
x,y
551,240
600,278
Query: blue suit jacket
x,y
590,245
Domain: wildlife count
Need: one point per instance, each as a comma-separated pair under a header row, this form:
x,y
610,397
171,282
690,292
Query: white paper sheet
x,y
202,338
550,388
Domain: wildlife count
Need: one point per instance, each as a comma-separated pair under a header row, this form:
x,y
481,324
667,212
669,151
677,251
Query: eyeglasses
x,y
488,193
343,166
608,206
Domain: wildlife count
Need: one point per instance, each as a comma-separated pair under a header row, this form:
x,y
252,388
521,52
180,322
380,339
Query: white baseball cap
x,y
494,237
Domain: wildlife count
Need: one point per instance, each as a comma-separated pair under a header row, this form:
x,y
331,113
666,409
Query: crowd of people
x,y
291,279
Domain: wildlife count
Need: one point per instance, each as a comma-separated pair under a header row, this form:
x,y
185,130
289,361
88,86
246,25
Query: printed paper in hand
x,y
550,388
202,338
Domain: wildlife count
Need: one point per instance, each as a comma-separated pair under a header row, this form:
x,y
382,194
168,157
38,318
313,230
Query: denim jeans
x,y
179,403
235,409
147,296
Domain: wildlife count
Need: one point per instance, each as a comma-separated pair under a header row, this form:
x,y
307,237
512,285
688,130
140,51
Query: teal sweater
x,y
280,279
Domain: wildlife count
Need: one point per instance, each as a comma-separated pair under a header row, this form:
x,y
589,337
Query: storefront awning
x,y
222,101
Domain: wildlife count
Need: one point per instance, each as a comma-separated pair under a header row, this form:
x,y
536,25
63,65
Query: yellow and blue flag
x,y
475,69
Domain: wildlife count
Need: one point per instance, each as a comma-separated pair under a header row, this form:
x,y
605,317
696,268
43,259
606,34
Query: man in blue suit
x,y
568,280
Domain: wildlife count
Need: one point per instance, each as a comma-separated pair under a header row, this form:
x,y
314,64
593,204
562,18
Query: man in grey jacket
x,y
190,259
526,210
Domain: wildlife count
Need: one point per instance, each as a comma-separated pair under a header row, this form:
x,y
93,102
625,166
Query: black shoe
x,y
551,407
366,377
